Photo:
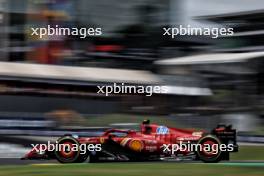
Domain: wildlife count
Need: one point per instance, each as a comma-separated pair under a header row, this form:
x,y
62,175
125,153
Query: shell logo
x,y
136,145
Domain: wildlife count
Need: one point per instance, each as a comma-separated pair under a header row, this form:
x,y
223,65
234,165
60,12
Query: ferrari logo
x,y
102,140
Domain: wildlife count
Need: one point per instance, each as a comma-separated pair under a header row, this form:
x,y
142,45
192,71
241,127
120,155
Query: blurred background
x,y
48,86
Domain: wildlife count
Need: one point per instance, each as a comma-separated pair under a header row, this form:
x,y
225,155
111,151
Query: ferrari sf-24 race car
x,y
152,143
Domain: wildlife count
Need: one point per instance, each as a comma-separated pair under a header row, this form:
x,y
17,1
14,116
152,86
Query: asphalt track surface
x,y
18,161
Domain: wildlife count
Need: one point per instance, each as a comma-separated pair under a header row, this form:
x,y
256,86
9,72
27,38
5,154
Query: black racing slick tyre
x,y
68,151
209,151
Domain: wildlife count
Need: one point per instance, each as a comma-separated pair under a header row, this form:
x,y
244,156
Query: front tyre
x,y
209,149
68,151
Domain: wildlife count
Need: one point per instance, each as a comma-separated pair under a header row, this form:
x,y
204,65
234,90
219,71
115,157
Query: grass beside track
x,y
134,169
249,153
233,168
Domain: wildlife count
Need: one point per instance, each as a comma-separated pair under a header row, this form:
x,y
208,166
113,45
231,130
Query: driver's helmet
x,y
146,128
146,122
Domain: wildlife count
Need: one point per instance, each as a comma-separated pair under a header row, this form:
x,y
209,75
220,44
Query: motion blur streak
x,y
49,84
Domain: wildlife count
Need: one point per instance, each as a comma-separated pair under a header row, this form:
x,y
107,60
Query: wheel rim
x,y
212,146
209,156
67,154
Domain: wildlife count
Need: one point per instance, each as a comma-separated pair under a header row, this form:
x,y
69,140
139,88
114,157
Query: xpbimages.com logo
x,y
131,89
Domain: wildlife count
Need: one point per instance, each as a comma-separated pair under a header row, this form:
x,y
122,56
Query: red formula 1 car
x,y
152,142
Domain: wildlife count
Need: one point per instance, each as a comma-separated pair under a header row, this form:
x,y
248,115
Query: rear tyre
x,y
209,151
225,156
